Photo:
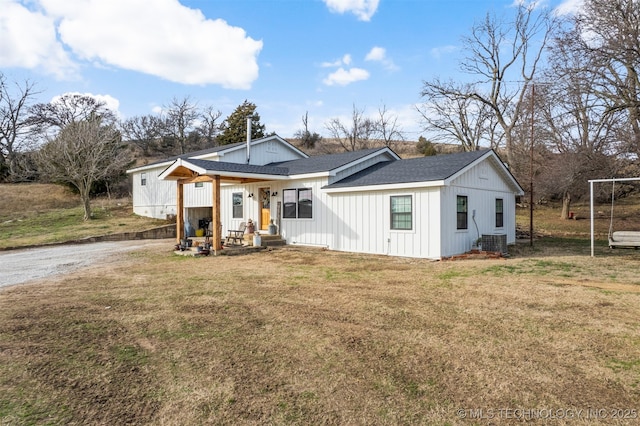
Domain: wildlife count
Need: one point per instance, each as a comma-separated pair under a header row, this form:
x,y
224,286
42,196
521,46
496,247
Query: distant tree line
x,y
76,140
557,97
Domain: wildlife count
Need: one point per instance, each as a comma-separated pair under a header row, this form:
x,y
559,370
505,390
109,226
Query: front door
x,y
265,208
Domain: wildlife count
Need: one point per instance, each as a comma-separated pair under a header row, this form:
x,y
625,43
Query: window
x,y
298,203
237,200
272,147
199,184
461,210
143,179
499,213
401,212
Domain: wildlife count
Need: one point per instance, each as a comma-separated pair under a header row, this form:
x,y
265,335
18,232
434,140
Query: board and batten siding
x,y
157,198
360,221
365,225
262,153
482,185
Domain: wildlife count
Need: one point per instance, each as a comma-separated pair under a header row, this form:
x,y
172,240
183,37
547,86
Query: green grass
x,y
67,224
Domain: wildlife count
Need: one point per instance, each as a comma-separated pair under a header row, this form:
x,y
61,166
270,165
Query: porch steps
x,y
266,240
272,240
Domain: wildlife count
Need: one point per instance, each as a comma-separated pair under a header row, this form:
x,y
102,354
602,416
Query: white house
x,y
368,201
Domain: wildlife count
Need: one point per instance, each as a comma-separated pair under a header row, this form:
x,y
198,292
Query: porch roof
x,y
194,169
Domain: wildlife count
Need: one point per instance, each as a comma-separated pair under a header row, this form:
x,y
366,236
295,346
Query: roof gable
x,y
422,169
438,168
327,163
217,152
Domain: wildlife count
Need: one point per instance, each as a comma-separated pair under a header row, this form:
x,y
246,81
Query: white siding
x,y
360,222
198,196
482,185
157,198
364,223
271,151
262,152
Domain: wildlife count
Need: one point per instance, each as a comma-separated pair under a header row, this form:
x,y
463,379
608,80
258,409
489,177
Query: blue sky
x,y
286,56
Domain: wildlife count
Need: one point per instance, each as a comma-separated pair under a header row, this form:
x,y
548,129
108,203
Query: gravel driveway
x,y
21,266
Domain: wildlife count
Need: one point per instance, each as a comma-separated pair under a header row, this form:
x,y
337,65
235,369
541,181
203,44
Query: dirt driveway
x,y
22,266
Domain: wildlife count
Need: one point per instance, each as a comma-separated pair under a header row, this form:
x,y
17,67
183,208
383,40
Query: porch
x,y
199,246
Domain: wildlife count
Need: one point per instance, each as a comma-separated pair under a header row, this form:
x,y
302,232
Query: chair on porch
x,y
236,236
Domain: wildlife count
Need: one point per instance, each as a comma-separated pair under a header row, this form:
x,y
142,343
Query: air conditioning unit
x,y
496,242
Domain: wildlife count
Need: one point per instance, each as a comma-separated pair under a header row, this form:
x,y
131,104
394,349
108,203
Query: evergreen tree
x,y
234,127
426,147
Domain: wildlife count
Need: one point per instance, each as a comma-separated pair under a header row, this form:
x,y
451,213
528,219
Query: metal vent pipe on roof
x,y
248,140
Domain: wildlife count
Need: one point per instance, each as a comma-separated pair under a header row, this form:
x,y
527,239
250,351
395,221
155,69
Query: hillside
x,y
35,213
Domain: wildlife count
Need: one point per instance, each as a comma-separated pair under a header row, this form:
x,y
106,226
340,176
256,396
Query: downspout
x,y
248,140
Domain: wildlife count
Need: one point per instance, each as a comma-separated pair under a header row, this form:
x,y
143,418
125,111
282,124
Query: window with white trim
x,y
499,212
298,203
401,212
143,179
238,205
462,210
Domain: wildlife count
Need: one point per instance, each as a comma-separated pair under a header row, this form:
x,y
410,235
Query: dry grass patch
x,y
298,336
34,214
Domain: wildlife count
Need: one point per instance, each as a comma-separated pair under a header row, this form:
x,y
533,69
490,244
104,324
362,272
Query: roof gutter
x,y
384,187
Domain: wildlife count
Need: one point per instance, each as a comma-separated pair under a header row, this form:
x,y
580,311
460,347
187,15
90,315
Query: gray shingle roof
x,y
222,166
323,163
423,169
195,153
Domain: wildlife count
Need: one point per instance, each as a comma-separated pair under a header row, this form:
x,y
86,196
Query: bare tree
x,y
143,131
309,140
357,135
504,56
15,126
83,153
388,128
179,124
580,130
68,109
454,116
209,127
607,34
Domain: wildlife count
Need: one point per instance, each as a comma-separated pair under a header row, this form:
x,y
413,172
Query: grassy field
x,y
34,214
302,336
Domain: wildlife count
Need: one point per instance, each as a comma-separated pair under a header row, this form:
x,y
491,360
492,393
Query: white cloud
x,y
379,54
569,7
363,9
439,52
167,40
28,40
342,77
345,60
109,101
376,54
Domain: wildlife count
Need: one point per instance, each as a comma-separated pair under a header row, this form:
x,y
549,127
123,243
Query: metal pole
x,y
533,92
591,208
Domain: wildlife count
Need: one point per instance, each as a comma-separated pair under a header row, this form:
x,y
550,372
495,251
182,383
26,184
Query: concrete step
x,y
274,243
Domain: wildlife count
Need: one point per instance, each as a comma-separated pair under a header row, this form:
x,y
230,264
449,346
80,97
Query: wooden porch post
x,y
215,217
179,211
